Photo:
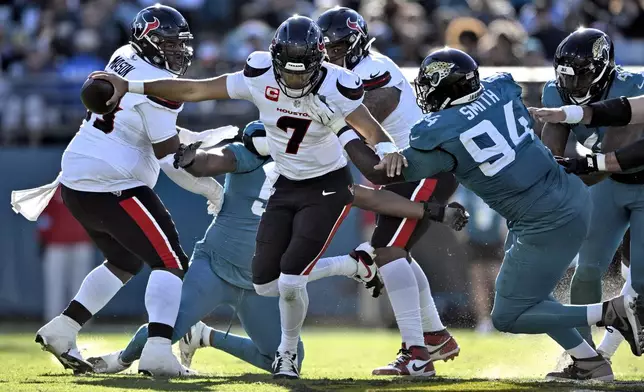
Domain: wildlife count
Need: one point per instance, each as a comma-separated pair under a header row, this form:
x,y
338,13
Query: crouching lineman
x,y
481,131
220,269
108,172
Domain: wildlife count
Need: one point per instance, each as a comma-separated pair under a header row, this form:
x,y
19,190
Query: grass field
x,y
336,360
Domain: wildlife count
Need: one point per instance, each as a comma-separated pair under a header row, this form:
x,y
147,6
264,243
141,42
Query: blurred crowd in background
x,y
48,47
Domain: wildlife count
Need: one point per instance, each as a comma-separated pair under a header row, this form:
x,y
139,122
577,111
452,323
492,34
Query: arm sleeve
x,y
237,86
424,164
631,156
159,123
246,160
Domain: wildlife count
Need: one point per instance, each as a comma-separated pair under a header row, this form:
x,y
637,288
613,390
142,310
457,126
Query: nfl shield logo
x,y
296,103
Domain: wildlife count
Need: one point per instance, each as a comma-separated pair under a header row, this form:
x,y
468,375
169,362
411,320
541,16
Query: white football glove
x,y
215,206
324,112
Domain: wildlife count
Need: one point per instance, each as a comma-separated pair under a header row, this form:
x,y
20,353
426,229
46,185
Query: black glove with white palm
x,y
453,215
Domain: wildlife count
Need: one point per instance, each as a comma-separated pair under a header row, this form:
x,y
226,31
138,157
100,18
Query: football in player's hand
x,y
95,93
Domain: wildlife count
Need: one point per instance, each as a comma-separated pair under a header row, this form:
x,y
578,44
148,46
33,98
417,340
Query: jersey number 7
x,y
299,127
501,153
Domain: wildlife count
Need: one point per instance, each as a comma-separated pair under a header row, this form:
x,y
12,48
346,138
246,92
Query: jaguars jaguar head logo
x,y
437,71
601,48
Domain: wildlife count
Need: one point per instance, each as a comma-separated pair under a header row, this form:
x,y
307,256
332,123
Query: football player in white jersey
x,y
391,100
314,191
108,172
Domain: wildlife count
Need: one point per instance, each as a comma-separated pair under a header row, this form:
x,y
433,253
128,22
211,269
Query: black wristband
x,y
614,112
631,156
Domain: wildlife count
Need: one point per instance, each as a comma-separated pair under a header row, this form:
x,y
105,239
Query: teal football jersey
x,y
494,153
230,239
624,83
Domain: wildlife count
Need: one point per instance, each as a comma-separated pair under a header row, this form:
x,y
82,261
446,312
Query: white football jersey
x,y
113,152
300,147
378,71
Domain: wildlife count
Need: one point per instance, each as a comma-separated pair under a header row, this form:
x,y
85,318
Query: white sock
x,y
162,297
611,341
594,313
334,266
98,288
205,336
428,313
582,351
402,289
294,302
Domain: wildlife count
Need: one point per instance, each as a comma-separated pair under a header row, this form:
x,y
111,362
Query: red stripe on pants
x,y
423,192
137,211
338,222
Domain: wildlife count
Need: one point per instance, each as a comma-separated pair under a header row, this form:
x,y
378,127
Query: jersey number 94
x,y
501,153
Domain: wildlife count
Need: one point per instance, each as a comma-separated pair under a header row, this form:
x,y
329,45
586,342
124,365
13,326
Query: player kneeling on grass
x,y
481,131
220,269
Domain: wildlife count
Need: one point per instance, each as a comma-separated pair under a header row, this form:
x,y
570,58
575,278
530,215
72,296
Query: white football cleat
x,y
285,365
191,342
367,271
157,360
59,338
108,363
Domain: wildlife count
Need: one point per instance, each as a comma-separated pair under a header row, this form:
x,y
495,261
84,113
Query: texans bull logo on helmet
x,y
321,46
355,26
149,26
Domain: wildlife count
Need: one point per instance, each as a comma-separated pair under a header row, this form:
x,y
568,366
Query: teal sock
x,y
584,292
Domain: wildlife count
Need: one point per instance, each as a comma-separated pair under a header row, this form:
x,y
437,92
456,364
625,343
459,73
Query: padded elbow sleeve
x,y
612,112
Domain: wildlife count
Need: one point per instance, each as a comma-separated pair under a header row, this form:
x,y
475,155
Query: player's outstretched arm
x,y
200,163
180,90
623,159
388,203
363,122
612,112
366,159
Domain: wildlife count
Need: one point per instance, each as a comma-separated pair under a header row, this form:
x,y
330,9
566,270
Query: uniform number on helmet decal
x,y
297,127
272,93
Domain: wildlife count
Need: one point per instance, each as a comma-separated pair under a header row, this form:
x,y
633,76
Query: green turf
x,y
336,360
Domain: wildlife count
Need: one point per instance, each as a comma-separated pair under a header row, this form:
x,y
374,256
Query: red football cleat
x,y
413,362
441,345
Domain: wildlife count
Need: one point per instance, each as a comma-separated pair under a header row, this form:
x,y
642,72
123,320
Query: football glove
x,y
585,165
453,215
325,112
185,155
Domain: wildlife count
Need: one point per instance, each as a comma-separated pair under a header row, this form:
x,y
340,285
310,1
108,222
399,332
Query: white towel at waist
x,y
31,202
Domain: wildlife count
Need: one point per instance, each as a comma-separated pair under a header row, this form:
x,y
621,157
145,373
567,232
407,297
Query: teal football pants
x,y
615,207
532,266
202,292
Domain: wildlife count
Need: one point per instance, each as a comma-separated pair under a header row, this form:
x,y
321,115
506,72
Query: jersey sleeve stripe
x,y
252,72
377,82
353,94
165,102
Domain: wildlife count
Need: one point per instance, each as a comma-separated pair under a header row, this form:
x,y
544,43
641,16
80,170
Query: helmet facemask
x,y
294,79
580,84
173,54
